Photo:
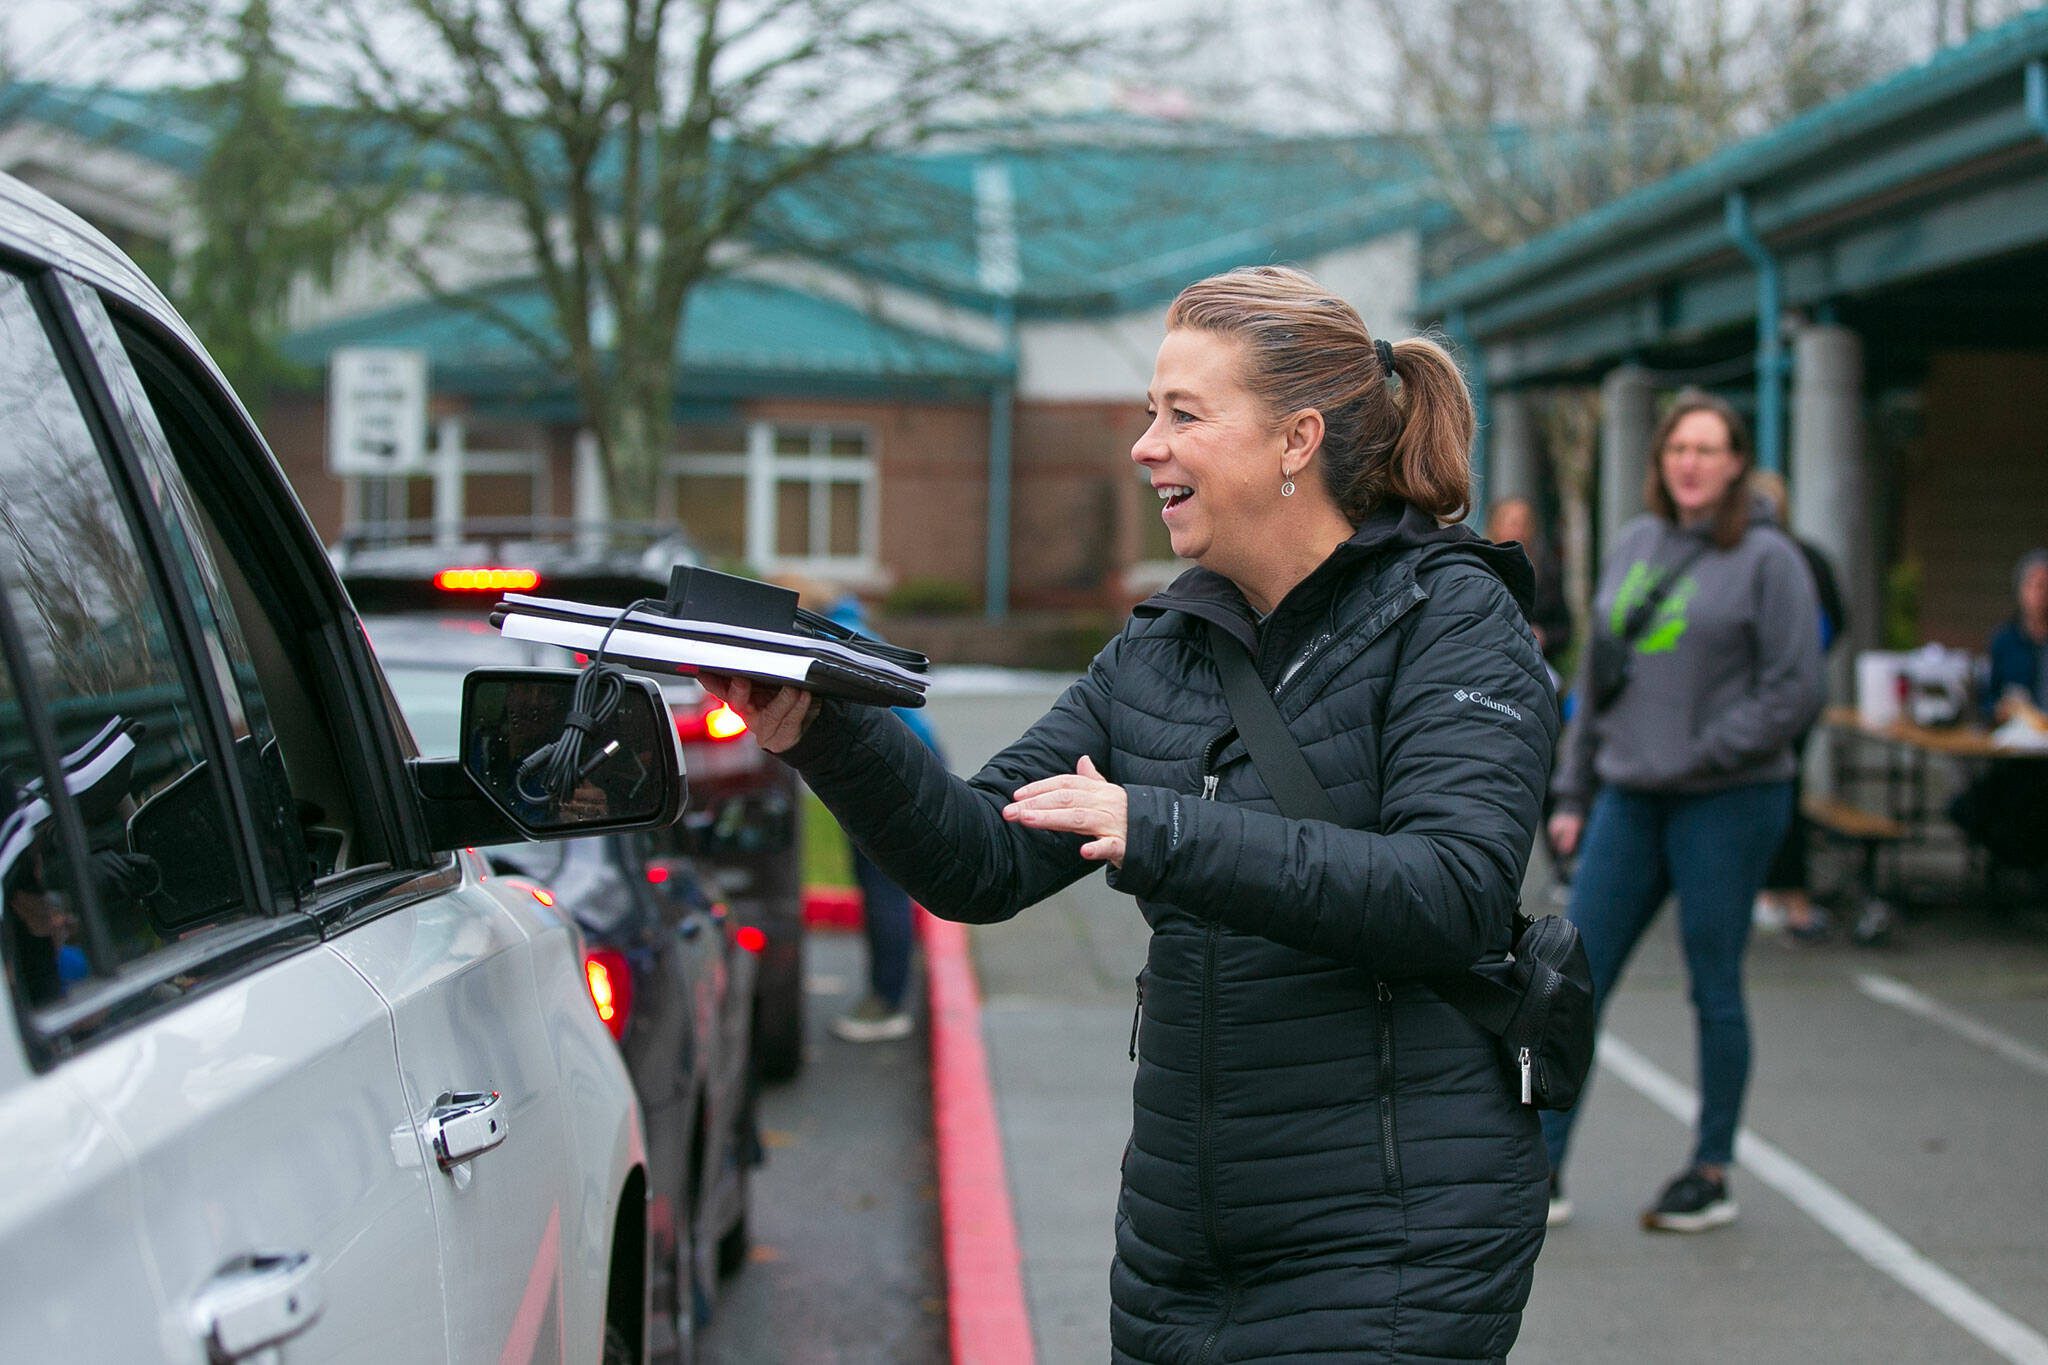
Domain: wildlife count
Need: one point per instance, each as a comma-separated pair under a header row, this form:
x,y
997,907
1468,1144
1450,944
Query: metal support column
x,y
1473,362
1000,273
1770,339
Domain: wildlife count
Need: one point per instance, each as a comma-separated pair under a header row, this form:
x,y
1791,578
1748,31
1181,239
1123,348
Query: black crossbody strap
x,y
1279,760
1639,620
1273,750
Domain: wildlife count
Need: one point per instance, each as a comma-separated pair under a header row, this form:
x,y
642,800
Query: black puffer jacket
x,y
1325,1159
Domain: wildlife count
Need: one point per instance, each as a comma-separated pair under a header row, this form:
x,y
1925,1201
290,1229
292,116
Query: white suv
x,y
289,1076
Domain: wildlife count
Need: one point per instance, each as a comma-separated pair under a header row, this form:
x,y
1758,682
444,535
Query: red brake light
x,y
487,580
610,981
751,938
657,875
545,897
716,721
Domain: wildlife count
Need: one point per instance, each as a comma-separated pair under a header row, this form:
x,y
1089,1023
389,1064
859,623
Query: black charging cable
x,y
824,627
550,774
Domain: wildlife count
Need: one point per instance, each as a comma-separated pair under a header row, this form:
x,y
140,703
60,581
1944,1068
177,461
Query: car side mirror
x,y
631,776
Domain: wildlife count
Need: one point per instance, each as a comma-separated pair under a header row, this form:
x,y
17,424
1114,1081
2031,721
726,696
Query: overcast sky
x,y
1287,67
1273,51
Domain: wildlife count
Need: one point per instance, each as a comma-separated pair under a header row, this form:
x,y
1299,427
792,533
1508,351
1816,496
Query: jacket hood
x,y
1394,527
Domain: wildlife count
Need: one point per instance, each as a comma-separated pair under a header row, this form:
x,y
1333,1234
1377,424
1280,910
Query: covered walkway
x,y
1869,280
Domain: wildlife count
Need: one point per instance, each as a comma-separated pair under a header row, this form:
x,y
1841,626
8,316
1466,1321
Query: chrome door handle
x,y
255,1302
463,1124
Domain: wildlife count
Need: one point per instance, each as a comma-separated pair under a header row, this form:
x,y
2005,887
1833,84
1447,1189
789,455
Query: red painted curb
x,y
832,907
985,1310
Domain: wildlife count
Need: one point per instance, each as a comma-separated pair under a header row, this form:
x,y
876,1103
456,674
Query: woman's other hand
x,y
1565,829
778,716
1081,802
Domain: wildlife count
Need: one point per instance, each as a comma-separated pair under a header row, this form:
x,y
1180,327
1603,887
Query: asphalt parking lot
x,y
1893,1184
845,1266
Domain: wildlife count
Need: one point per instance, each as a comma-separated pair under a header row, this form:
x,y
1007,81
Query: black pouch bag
x,y
1538,1002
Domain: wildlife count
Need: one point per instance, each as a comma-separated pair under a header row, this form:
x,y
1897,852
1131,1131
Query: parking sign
x,y
376,411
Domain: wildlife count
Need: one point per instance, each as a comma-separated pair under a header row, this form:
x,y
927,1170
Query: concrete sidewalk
x,y
1904,1216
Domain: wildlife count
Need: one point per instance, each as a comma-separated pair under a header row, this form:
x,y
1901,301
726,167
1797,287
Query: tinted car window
x,y
220,633
92,641
38,908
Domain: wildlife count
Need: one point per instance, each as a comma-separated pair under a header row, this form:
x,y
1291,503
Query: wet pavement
x,y
845,1267
1894,1186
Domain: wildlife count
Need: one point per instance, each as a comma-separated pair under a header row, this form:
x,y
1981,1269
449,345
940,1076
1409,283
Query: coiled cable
x,y
550,774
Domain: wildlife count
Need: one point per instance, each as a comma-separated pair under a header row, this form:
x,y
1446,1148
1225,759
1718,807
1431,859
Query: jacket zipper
x,y
1205,1155
1388,1158
1523,1055
1136,1011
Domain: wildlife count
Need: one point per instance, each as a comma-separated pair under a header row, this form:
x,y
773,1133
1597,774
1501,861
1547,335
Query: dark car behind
x,y
669,972
742,824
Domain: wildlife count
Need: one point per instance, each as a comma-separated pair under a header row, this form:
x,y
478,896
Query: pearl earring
x,y
1287,489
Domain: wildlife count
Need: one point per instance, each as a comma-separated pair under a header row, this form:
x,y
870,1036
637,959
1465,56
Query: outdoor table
x,y
1907,749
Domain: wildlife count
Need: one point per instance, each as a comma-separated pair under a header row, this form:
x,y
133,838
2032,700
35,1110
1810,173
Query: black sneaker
x,y
1692,1202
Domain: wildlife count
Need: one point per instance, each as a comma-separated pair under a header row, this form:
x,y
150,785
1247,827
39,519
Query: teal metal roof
x,y
1896,106
170,127
1105,227
738,336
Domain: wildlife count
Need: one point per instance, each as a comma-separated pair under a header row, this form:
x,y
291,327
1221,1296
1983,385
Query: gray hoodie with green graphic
x,y
1726,676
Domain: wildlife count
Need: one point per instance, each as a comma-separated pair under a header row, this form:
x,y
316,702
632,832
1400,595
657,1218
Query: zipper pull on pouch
x,y
1137,1011
1210,781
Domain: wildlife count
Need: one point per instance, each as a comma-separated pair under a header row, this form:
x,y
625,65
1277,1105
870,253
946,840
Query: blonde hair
x,y
1307,348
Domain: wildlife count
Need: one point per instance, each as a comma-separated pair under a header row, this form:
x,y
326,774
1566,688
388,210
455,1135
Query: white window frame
x,y
765,471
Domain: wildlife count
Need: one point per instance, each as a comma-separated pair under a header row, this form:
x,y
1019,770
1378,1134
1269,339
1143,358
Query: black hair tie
x,y
1386,353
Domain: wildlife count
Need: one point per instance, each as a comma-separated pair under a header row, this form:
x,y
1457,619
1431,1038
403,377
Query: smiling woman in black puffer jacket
x,y
1325,1158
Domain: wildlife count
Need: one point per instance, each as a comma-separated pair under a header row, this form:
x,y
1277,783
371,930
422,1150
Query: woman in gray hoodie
x,y
1682,781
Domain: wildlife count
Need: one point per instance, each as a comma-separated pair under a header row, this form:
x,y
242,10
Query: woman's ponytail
x,y
1431,463
1307,348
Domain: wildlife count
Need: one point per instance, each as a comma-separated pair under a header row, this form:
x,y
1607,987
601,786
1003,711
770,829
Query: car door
x,y
483,990
240,1071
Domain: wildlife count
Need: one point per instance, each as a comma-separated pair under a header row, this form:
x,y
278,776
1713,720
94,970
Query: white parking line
x,y
1891,991
1851,1224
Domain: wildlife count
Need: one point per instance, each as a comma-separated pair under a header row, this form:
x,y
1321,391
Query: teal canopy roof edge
x,y
168,127
1996,53
741,335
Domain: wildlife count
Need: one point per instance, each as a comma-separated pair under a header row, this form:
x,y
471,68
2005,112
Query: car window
x,y
39,918
89,636
258,756
314,761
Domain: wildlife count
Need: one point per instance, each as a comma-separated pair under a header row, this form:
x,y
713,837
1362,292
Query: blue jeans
x,y
1712,849
885,918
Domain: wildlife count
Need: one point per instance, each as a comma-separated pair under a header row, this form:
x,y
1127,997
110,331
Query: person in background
x,y
1693,761
1550,616
2019,649
1513,521
1786,899
2005,809
883,1014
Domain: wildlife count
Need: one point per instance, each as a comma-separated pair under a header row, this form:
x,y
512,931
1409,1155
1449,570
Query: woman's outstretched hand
x,y
1080,802
778,716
